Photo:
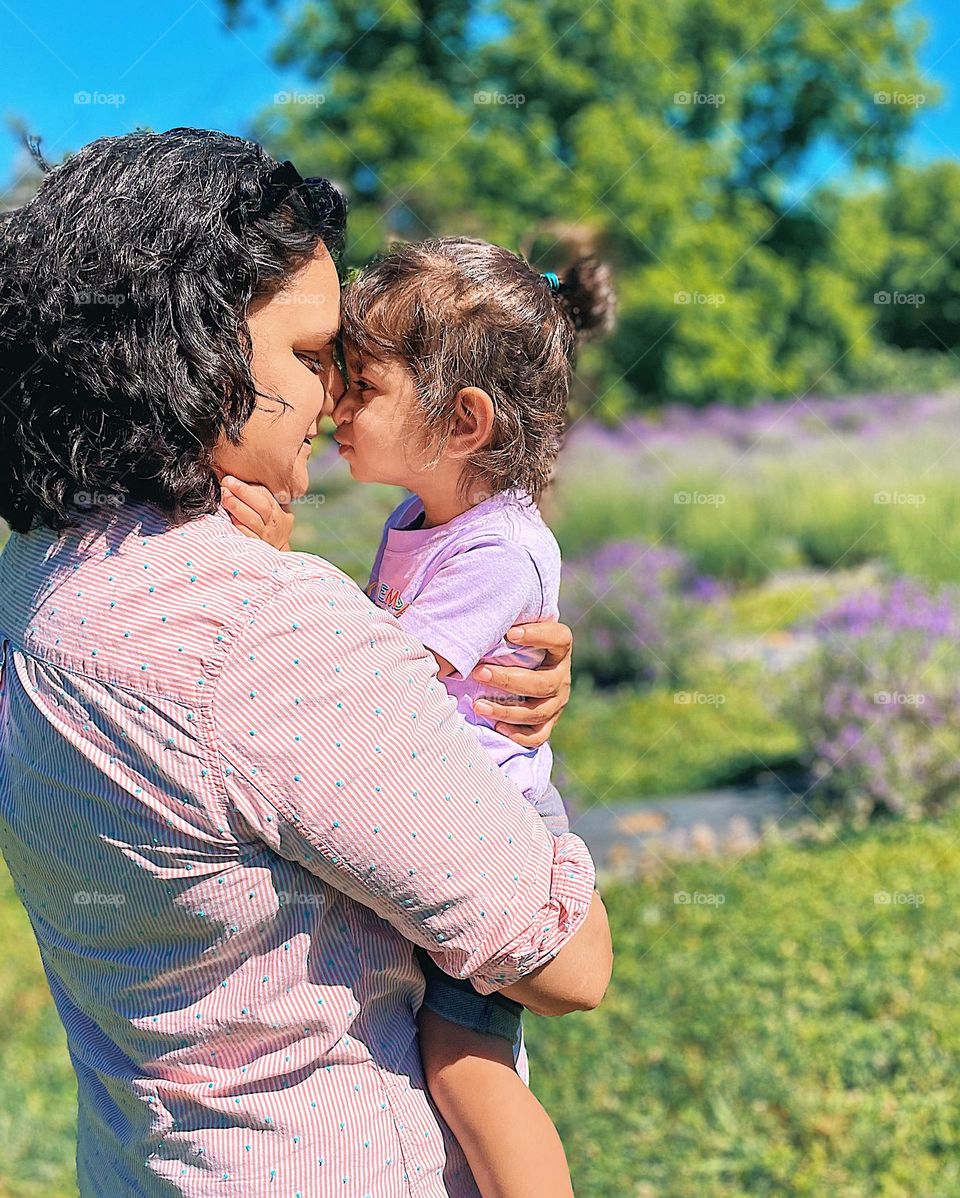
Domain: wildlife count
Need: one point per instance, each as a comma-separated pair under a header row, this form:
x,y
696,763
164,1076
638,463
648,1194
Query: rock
x,y
703,839
642,823
740,836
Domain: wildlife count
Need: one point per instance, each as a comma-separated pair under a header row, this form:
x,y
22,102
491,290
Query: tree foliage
x,y
676,139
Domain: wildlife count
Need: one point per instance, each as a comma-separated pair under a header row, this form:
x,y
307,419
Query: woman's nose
x,y
333,390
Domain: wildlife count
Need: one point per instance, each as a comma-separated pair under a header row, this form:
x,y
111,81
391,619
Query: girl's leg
x,y
508,1138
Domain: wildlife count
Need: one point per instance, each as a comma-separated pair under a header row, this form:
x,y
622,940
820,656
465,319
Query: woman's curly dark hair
x,y
124,289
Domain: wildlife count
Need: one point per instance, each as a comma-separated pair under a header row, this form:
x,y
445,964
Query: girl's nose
x,y
342,410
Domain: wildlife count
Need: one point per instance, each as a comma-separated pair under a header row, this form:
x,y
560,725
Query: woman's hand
x,y
256,512
543,691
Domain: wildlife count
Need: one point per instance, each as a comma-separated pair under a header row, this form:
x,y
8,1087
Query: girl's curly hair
x,y
458,312
124,289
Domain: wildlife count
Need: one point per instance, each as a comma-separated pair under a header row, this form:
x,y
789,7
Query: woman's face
x,y
293,335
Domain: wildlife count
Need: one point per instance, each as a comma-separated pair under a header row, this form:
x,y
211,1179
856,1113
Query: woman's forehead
x,y
309,306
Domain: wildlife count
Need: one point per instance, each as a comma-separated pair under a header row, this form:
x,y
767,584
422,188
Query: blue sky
x,y
176,63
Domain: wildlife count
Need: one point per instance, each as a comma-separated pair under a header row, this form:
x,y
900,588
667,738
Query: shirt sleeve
x,y
473,598
343,751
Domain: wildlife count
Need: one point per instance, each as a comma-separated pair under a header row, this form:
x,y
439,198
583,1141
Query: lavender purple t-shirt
x,y
458,587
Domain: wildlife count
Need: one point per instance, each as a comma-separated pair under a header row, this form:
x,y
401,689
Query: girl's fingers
x,y
242,514
256,496
242,528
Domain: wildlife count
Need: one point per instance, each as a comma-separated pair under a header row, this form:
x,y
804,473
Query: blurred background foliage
x,y
676,140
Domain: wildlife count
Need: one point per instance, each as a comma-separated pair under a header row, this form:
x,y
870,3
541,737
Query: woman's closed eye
x,y
314,362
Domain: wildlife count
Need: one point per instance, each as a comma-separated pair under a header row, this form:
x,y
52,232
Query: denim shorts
x,y
456,1000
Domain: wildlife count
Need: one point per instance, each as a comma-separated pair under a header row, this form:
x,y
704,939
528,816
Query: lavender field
x,y
712,560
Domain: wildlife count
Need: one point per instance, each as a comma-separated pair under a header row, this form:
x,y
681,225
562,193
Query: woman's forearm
x,y
576,979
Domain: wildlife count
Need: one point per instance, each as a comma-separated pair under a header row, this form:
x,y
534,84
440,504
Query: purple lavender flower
x,y
636,610
881,705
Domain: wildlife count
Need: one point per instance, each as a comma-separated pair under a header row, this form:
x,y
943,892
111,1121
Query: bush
x,y
879,705
638,612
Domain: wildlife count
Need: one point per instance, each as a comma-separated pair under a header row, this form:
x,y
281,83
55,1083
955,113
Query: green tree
x,y
670,137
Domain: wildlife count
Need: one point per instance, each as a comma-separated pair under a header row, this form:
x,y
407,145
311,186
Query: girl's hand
x,y
255,511
530,721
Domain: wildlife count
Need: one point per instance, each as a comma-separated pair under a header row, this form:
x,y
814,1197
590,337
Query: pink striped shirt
x,y
234,795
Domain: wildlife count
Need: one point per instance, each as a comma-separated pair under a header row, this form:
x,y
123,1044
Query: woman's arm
x,y
343,752
577,977
538,694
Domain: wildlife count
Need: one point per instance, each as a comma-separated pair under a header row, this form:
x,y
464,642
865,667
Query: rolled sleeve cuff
x,y
572,883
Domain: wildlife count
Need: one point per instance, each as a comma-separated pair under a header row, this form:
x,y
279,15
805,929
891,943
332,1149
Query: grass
x,y
627,744
343,522
799,1039
38,1091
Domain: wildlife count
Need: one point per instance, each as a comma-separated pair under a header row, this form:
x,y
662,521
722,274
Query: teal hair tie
x,y
553,280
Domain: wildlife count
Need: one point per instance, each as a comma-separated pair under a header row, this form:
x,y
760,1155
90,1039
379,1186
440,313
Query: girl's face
x,y
294,336
373,418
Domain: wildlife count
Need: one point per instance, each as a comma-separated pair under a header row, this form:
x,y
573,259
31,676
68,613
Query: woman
x,y
234,795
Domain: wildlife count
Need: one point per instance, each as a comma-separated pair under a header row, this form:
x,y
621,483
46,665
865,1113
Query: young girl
x,y
458,355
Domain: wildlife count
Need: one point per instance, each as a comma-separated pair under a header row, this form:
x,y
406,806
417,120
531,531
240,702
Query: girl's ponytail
x,y
586,294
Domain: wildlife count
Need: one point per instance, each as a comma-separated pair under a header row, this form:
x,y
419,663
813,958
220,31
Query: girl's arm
x,y
255,511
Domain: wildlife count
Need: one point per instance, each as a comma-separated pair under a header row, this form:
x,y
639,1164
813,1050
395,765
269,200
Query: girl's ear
x,y
473,418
